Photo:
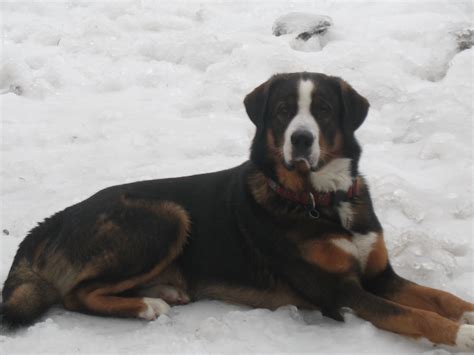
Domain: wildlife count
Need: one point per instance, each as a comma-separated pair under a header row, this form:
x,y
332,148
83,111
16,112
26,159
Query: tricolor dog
x,y
293,225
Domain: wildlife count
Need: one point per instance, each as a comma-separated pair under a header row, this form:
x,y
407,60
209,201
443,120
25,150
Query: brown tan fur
x,y
59,270
331,151
80,297
106,227
280,295
159,287
101,298
292,180
443,303
31,289
94,295
66,276
54,267
163,209
265,196
22,292
31,292
413,295
415,323
327,255
259,187
378,257
100,301
170,276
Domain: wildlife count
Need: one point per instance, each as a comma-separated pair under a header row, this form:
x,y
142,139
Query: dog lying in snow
x,y
293,225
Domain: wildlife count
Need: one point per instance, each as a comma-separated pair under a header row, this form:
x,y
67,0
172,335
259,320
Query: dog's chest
x,y
359,246
346,214
332,240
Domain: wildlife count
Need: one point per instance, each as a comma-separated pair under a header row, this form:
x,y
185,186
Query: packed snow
x,y
305,30
102,93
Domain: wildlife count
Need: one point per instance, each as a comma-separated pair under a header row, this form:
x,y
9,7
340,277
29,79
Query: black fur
x,y
233,239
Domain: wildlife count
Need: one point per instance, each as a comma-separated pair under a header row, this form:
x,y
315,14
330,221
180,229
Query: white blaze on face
x,y
305,121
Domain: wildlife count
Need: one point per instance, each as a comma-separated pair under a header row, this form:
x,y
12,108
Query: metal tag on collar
x,y
312,211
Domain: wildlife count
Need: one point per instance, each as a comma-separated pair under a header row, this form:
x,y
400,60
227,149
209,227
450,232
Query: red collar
x,y
313,198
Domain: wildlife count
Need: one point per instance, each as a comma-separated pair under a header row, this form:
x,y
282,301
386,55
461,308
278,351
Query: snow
x,y
101,93
309,30
299,22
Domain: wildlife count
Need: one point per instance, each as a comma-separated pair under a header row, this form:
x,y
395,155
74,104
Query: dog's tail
x,y
26,295
25,298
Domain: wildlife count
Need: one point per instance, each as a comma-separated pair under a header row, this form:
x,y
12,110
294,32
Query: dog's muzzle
x,y
302,143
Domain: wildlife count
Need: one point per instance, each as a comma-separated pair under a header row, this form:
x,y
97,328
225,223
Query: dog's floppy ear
x,y
256,102
355,107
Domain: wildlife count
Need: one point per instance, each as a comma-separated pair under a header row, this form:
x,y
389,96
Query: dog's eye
x,y
283,111
324,108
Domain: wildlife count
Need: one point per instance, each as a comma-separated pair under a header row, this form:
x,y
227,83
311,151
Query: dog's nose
x,y
302,139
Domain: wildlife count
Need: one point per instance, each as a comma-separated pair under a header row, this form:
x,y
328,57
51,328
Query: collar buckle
x,y
312,201
312,211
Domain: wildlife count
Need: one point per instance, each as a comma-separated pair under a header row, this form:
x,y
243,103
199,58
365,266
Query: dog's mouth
x,y
301,165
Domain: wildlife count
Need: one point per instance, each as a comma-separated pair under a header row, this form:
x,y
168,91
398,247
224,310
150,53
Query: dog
x,y
292,225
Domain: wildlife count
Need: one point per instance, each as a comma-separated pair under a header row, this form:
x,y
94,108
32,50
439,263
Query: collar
x,y
312,198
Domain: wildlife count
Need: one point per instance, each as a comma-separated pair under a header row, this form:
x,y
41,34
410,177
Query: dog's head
x,y
304,121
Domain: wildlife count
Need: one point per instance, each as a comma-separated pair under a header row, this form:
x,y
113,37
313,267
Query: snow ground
x,y
113,92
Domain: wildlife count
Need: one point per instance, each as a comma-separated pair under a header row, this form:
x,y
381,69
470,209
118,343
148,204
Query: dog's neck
x,y
334,176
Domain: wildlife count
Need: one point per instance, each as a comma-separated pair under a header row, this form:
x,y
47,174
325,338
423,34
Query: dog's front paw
x,y
154,307
467,318
465,337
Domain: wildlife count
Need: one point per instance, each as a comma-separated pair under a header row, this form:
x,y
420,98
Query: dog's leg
x,y
444,303
395,288
380,279
107,299
164,232
169,293
103,301
405,320
336,270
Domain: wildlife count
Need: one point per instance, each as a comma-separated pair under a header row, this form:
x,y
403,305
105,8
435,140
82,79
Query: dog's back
x,y
123,232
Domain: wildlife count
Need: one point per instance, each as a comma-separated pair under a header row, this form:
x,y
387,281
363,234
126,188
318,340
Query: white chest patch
x,y
334,176
360,246
346,214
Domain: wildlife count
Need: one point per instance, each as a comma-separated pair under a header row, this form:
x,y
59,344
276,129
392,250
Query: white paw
x,y
171,295
155,307
467,318
465,337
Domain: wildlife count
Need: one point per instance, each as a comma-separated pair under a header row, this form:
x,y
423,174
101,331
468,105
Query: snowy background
x,y
102,93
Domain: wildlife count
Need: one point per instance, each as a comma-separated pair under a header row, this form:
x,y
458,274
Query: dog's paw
x,y
171,294
154,307
465,337
467,318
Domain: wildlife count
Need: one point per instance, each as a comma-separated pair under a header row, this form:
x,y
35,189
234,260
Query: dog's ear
x,y
354,107
256,103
